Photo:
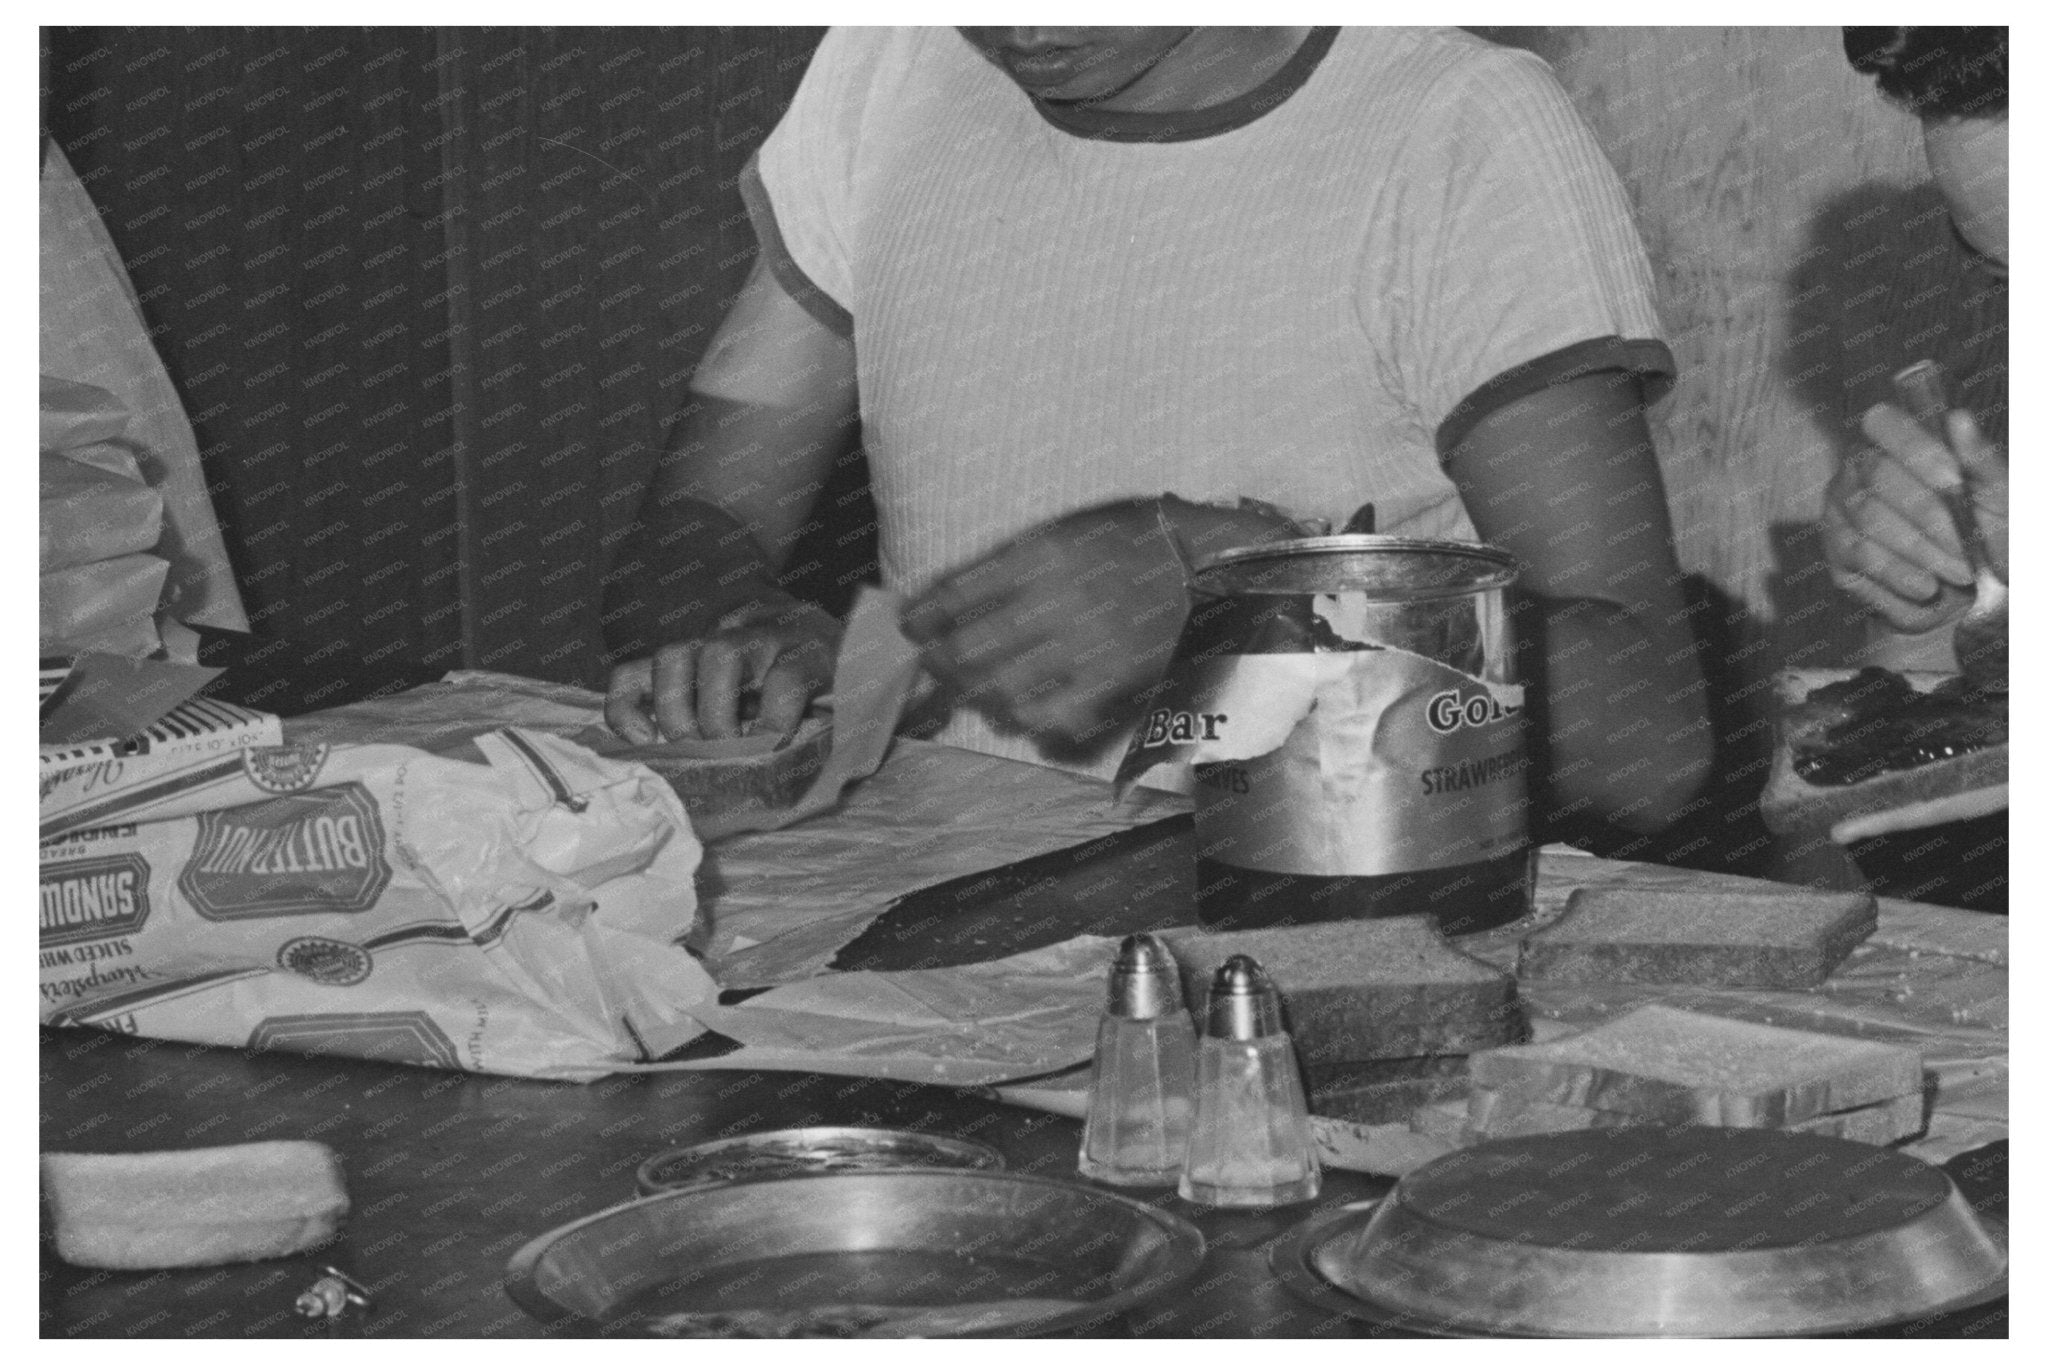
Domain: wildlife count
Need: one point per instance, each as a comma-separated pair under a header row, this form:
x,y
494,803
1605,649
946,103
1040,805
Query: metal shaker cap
x,y
1144,984
1242,1002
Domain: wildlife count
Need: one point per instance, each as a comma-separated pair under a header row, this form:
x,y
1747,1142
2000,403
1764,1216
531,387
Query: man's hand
x,y
1058,630
1889,539
780,653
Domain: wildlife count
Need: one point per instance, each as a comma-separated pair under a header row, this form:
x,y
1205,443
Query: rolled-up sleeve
x,y
799,188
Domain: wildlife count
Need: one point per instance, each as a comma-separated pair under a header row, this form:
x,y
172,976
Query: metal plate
x,y
811,1151
864,1254
1406,1265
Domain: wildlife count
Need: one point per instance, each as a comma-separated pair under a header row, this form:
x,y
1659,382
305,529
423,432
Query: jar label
x,y
1383,762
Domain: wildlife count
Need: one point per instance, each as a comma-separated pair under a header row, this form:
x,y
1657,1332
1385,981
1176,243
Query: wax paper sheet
x,y
92,332
991,1021
777,906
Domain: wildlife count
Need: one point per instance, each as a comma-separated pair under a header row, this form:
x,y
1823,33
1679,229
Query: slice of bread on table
x,y
200,1206
1675,1066
1782,938
1365,990
1790,805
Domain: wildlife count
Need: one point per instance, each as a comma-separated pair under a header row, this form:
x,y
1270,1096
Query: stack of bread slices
x,y
1660,1065
1383,1012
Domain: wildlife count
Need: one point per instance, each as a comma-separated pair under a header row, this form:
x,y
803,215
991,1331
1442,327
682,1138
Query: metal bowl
x,y
1655,1232
875,1253
808,1151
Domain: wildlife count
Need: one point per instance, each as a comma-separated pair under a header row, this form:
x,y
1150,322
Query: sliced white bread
x,y
1788,937
1674,1066
1442,1119
201,1206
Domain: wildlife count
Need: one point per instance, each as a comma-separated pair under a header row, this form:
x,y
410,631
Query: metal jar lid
x,y
1395,568
810,1151
1144,983
1243,1004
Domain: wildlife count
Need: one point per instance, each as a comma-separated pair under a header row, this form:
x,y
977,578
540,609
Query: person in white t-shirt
x,y
1091,292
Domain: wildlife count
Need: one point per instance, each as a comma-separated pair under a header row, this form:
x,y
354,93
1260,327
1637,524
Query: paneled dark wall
x,y
430,297
592,185
268,191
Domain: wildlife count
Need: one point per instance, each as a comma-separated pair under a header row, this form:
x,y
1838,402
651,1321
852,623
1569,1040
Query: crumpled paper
x,y
92,332
88,512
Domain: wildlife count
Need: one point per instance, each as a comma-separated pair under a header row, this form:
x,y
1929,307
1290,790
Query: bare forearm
x,y
710,535
1624,720
762,466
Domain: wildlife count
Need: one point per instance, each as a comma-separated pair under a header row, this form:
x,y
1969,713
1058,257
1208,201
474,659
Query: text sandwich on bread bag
x,y
1350,710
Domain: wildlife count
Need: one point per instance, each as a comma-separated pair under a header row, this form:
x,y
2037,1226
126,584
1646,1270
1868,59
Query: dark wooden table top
x,y
450,1173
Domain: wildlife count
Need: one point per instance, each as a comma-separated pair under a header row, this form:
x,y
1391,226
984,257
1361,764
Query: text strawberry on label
x,y
316,852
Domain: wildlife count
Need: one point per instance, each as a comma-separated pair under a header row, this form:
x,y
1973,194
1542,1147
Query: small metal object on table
x,y
331,1297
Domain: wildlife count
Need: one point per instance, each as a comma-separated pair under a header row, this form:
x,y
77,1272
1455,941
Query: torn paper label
x,y
1400,765
1238,706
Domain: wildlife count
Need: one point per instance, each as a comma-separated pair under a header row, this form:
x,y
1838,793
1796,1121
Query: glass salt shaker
x,y
1141,1094
1250,1145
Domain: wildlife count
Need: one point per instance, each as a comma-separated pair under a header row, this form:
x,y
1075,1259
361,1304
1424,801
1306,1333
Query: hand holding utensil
x,y
1981,635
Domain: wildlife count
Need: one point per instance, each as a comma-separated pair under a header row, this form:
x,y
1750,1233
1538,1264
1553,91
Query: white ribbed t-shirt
x,y
1304,301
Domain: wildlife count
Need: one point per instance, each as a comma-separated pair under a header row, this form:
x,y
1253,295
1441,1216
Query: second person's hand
x,y
1887,533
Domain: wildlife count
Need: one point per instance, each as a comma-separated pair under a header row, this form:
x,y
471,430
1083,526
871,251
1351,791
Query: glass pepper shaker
x,y
1141,1093
1250,1145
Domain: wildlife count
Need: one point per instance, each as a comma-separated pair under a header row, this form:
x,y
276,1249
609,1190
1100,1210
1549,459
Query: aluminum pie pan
x,y
806,1151
946,1252
1909,1248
